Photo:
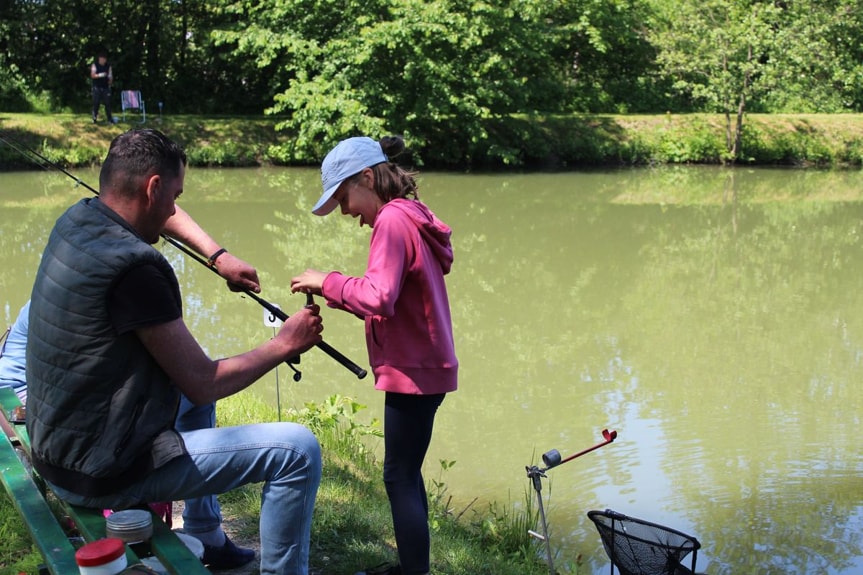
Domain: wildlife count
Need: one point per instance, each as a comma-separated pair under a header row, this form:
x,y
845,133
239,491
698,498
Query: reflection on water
x,y
712,317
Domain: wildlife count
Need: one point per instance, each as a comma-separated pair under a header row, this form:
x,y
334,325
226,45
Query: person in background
x,y
202,517
402,298
108,355
102,77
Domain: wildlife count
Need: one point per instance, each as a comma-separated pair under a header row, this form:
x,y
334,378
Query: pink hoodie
x,y
403,299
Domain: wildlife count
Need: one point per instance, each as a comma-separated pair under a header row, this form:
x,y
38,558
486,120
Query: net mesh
x,y
638,547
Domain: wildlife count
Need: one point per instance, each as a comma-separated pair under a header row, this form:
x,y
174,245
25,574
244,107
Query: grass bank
x,y
561,142
352,528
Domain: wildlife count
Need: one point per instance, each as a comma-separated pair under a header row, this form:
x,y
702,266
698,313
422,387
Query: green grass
x,y
553,142
352,527
18,554
72,140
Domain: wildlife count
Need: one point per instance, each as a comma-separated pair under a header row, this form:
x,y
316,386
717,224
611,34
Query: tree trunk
x,y
729,138
736,149
738,136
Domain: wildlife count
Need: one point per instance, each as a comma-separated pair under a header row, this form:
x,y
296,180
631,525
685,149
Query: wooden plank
x,y
165,545
51,540
173,553
7,428
8,402
175,557
90,523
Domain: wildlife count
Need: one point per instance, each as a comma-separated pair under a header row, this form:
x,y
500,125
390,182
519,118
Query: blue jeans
x,y
285,456
201,514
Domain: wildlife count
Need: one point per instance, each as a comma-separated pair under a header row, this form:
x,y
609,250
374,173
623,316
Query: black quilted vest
x,y
100,411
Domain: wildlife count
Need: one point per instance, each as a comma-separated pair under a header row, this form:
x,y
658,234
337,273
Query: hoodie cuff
x,y
332,288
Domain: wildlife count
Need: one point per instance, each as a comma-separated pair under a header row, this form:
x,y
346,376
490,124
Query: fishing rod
x,y
277,312
273,309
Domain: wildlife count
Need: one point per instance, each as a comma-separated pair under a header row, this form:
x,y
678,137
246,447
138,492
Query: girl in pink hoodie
x,y
403,300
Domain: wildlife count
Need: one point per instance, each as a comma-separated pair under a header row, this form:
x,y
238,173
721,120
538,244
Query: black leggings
x,y
408,423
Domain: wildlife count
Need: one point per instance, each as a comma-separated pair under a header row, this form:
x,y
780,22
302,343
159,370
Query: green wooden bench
x,y
31,498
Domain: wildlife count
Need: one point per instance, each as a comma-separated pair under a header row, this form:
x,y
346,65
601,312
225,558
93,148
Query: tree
x,y
162,47
12,84
817,61
433,71
604,45
716,52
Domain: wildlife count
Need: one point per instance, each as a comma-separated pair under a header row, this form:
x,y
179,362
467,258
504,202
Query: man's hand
x,y
239,274
302,330
204,380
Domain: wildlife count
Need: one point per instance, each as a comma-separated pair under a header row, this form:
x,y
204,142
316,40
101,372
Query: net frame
x,y
639,547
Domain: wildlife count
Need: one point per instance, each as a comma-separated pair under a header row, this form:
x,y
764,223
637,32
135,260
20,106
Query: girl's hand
x,y
310,281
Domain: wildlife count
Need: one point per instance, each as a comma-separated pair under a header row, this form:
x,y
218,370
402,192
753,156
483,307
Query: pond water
x,y
712,317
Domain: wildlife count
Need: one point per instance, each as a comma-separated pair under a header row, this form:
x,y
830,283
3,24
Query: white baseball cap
x,y
349,157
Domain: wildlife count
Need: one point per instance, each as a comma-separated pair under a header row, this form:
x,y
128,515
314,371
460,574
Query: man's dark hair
x,y
141,153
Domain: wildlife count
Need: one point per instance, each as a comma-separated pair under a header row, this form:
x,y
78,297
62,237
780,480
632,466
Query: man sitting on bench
x,y
108,354
202,517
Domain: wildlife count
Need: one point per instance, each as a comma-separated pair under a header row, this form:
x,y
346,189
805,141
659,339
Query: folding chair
x,y
638,547
132,100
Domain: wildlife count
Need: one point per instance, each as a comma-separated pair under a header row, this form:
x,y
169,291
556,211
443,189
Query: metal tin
x,y
131,525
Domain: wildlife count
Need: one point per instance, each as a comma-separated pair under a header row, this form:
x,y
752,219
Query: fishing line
x,y
23,150
276,311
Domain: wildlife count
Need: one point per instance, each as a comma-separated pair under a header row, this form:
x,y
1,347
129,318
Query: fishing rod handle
x,y
332,352
277,312
339,357
323,346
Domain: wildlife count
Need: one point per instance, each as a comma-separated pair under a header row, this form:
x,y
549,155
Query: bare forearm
x,y
182,227
204,380
240,274
230,375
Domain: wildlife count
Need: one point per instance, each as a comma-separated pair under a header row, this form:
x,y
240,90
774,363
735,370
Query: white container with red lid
x,y
102,557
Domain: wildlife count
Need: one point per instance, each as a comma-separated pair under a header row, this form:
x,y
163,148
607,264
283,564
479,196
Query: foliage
x,y
560,141
732,56
456,78
352,521
398,67
439,72
817,61
697,140
13,93
161,47
716,52
610,63
335,418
